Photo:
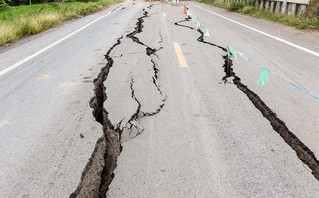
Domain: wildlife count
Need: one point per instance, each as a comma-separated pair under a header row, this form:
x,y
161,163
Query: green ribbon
x,y
318,102
263,78
193,18
231,52
174,1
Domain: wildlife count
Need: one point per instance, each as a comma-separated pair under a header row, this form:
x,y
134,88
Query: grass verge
x,y
21,21
298,21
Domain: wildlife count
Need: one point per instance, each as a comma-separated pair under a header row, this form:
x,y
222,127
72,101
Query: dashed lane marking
x,y
45,76
180,56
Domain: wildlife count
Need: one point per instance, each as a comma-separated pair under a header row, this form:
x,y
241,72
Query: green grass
x,y
21,21
300,22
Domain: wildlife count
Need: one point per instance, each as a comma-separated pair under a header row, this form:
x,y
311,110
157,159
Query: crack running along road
x,y
302,151
96,177
208,140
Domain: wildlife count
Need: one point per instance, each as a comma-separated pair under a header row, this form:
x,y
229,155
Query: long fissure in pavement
x,y
130,125
302,151
99,171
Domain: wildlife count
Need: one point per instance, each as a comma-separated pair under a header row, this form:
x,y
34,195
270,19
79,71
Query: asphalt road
x,y
184,131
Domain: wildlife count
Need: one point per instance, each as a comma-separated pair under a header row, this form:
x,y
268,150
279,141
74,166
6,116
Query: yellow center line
x,y
164,15
180,56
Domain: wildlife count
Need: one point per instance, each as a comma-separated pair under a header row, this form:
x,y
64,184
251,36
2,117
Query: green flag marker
x,y
205,31
263,78
231,52
193,18
318,102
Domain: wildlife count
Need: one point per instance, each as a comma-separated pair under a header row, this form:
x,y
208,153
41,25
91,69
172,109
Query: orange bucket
x,y
184,9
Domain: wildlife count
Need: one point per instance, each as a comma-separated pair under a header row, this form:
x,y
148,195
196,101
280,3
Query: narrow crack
x,y
133,125
201,39
186,19
155,77
138,29
302,151
161,36
155,71
227,61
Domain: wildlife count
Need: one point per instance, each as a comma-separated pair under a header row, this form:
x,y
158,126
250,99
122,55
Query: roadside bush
x,y
250,2
87,0
235,6
206,1
248,9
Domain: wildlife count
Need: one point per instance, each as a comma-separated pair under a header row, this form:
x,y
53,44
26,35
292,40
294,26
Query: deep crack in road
x,y
98,173
302,151
134,101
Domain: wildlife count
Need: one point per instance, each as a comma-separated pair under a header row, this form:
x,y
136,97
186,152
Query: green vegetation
x,y
310,19
235,6
24,20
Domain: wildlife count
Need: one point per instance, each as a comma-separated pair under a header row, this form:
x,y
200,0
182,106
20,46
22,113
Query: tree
x,y
313,9
3,3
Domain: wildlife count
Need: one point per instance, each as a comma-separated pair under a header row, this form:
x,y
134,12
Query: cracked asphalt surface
x,y
158,130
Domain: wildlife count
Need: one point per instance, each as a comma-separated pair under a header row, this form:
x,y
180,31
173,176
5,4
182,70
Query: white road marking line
x,y
49,46
264,33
